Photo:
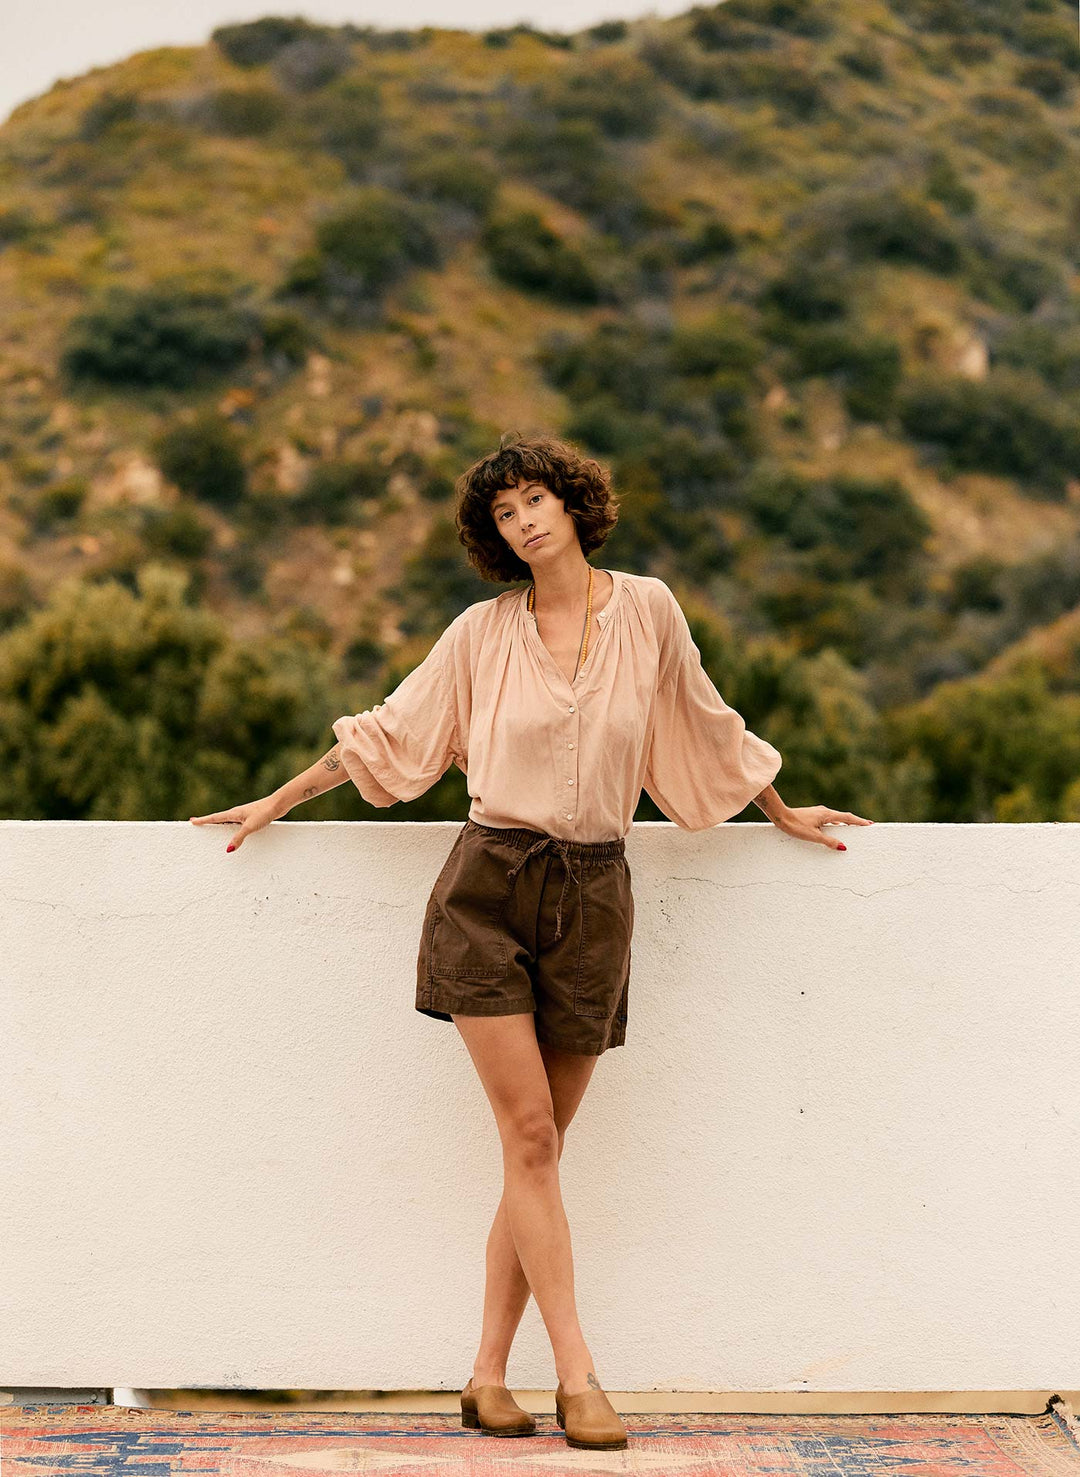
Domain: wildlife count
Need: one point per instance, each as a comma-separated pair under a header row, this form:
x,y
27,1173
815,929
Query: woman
x,y
560,701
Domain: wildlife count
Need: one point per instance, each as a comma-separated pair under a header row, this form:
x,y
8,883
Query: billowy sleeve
x,y
704,764
400,747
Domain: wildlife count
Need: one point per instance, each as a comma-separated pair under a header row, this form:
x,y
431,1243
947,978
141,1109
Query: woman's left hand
x,y
805,823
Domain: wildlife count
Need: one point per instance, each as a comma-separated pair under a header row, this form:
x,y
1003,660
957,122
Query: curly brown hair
x,y
583,485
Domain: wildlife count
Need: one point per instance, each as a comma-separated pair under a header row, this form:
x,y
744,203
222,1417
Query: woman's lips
x,y
535,540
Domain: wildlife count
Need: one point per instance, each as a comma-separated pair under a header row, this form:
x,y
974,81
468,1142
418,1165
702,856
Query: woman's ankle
x,y
488,1375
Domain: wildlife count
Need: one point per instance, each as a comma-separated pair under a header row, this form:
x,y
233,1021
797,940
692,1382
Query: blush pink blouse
x,y
568,759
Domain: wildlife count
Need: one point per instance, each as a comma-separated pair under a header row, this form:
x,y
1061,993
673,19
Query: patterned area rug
x,y
109,1440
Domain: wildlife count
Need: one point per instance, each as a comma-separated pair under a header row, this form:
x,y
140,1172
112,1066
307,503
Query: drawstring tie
x,y
563,849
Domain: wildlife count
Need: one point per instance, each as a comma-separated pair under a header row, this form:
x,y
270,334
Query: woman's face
x,y
531,511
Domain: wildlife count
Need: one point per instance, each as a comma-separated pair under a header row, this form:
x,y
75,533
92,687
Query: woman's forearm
x,y
769,801
325,774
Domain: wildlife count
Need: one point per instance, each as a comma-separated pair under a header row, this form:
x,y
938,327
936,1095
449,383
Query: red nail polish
x,y
841,847
230,848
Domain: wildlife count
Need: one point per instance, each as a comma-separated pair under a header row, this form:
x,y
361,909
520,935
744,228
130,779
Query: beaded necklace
x,y
583,645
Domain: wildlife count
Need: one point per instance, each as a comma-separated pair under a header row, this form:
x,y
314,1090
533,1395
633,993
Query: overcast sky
x,y
45,40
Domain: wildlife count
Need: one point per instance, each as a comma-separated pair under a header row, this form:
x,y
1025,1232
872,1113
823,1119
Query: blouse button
x,y
569,782
570,709
569,815
569,746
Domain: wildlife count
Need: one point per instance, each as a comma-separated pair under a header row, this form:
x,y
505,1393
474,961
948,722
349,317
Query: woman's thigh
x,y
569,1074
526,1083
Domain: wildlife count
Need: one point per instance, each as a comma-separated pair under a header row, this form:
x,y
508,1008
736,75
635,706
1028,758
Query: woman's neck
x,y
563,589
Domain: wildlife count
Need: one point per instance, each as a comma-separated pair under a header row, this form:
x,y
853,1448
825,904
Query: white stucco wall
x,y
839,1151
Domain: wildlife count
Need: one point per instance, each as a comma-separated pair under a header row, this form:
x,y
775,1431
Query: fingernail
x,y
841,847
230,848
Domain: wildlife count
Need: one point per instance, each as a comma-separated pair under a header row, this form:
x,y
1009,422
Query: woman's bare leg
x,y
531,1219
506,1288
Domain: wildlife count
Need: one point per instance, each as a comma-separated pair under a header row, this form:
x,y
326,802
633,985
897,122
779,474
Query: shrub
x,y
569,159
696,468
395,40
986,739
796,17
873,529
677,401
254,43
864,59
1005,274
135,705
106,112
178,530
793,90
203,457
1048,79
806,292
286,338
244,569
869,365
246,111
1050,37
161,335
334,492
310,62
944,184
526,253
364,246
607,31
975,585
1008,423
16,595
677,62
971,51
17,224
704,240
506,35
719,343
621,360
347,121
872,377
718,28
893,224
451,175
602,424
1011,138
362,659
1052,353
617,92
58,502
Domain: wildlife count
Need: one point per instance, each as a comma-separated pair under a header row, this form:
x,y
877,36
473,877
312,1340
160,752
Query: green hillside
x,y
804,275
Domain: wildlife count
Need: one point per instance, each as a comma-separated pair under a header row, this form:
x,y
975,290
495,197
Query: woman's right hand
x,y
252,817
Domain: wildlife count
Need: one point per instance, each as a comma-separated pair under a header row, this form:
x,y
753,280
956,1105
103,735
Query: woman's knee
x,y
532,1137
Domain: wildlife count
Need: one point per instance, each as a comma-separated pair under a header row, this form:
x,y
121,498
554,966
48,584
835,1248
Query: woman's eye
x,y
506,513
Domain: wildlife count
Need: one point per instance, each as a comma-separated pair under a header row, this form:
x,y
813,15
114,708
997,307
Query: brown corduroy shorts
x,y
521,921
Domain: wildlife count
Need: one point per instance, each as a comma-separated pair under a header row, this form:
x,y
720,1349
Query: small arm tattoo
x,y
769,802
332,759
311,790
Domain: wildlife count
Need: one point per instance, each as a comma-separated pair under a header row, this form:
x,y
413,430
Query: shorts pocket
x,y
607,925
466,938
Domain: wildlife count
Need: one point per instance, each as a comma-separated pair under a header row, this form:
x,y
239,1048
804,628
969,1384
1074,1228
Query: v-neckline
x,y
583,673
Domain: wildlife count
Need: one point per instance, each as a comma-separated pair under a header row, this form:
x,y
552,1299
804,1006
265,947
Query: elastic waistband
x,y
521,838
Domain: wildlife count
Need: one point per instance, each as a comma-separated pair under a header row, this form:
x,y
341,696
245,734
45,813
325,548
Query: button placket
x,y
572,708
